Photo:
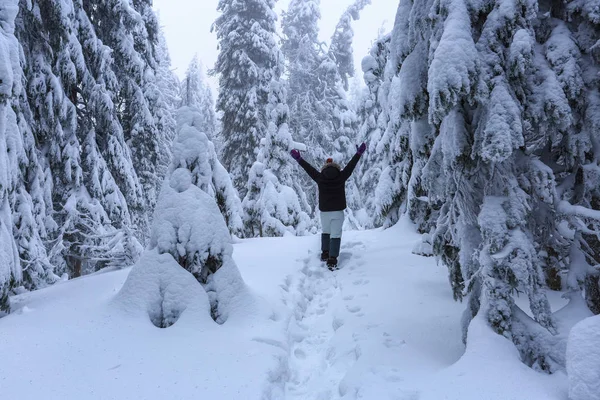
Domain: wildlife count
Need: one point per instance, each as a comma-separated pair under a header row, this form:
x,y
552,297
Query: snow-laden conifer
x,y
168,97
10,268
72,91
188,226
194,151
188,266
196,93
247,58
272,206
372,107
341,41
488,111
130,30
321,115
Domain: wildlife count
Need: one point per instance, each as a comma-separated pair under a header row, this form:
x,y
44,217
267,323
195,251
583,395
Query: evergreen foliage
x,y
193,150
196,93
87,125
481,116
321,115
272,206
246,65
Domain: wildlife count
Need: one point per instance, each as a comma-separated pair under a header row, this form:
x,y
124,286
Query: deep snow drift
x,y
382,327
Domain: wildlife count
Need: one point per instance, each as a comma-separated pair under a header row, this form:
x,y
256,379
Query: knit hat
x,y
329,163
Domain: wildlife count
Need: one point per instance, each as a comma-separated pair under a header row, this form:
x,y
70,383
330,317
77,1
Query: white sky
x,y
187,27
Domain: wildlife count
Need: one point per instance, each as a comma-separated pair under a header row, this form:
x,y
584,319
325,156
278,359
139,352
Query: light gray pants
x,y
332,222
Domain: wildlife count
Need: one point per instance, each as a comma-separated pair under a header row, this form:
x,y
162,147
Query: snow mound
x,y
583,360
159,288
230,295
180,180
491,364
424,247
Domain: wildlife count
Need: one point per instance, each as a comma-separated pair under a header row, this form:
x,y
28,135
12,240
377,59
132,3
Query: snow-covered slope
x,y
382,327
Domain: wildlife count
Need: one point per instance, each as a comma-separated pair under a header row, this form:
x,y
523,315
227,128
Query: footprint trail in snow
x,y
315,367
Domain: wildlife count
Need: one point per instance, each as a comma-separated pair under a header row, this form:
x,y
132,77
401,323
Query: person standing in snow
x,y
332,200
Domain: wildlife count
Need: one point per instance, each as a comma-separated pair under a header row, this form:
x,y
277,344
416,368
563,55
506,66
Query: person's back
x,y
332,188
331,182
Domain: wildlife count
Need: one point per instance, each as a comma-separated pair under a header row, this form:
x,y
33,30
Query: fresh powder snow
x,y
382,327
158,242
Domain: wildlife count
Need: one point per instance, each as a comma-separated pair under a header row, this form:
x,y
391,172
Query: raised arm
x,y
310,170
347,171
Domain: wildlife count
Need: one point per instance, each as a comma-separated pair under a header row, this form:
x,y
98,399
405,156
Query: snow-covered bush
x,y
188,226
583,360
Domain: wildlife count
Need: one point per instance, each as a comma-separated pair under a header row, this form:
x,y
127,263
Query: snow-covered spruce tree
x,y
24,181
572,55
320,113
73,115
246,65
193,150
372,128
196,93
304,54
492,106
335,70
167,84
10,268
272,206
53,119
131,31
505,247
390,143
188,226
341,41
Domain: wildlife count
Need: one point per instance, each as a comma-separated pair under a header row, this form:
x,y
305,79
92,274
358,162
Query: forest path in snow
x,y
315,370
377,328
310,331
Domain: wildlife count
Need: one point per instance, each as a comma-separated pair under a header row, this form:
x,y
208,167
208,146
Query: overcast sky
x,y
187,27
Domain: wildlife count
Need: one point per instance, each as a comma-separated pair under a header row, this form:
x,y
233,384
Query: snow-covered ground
x,y
382,327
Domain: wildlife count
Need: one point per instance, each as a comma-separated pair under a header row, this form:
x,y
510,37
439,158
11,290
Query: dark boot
x,y
325,246
334,247
334,252
332,263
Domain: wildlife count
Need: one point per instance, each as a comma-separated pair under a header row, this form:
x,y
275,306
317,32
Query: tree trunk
x,y
592,293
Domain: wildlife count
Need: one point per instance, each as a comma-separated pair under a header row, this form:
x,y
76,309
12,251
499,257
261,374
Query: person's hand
x,y
296,155
361,149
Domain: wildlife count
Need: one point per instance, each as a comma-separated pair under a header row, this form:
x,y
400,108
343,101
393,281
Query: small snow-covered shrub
x,y
189,226
189,232
583,360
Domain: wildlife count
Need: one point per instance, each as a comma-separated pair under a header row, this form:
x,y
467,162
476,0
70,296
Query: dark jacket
x,y
332,184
